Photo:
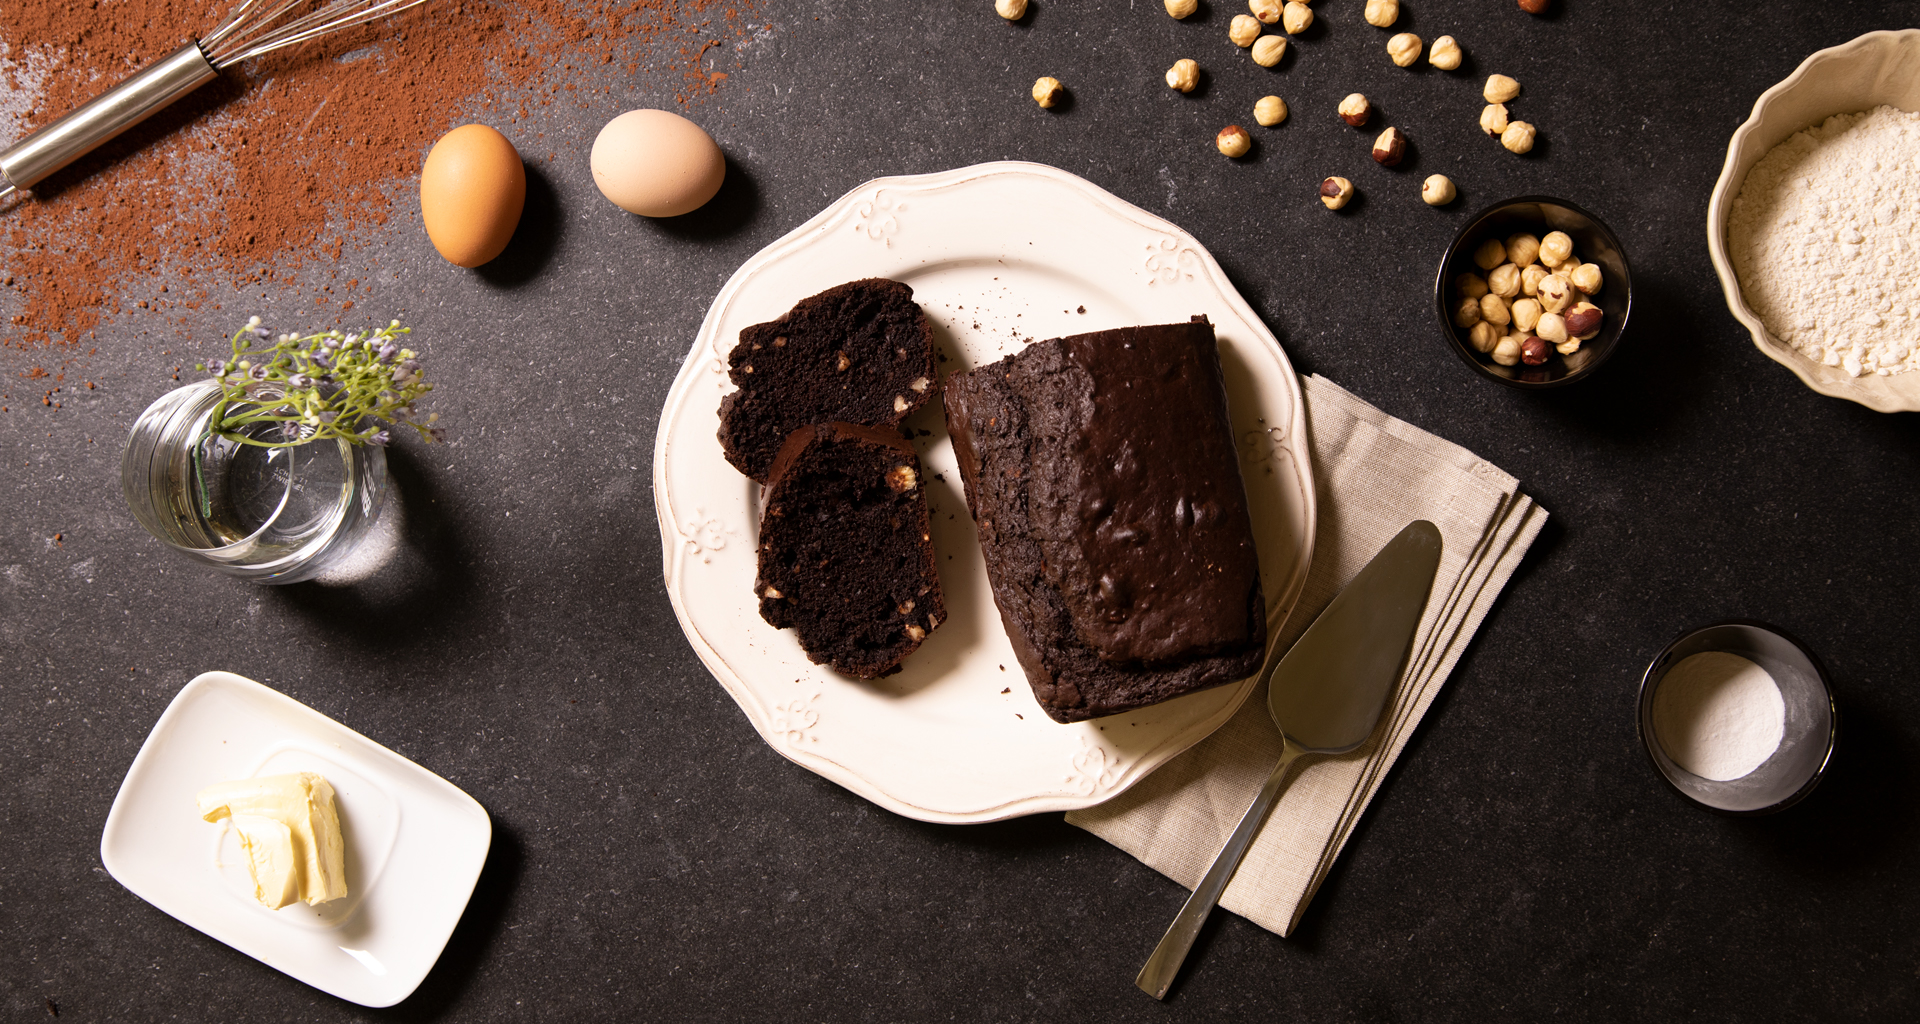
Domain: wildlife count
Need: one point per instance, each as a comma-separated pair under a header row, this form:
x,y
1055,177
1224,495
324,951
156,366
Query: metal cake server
x,y
1326,695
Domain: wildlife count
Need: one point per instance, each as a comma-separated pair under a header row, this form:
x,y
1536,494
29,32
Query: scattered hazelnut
x,y
1269,111
1047,91
1389,148
1534,6
1506,351
1490,254
1267,50
901,479
1554,293
1233,141
1493,119
1494,310
1518,138
1014,10
1586,279
904,607
1500,89
899,403
1555,248
1522,249
772,594
1297,18
1533,351
1553,327
1268,11
920,384
1243,30
1583,321
1483,337
1404,49
1382,13
1335,192
841,362
1470,285
1355,109
916,632
1181,8
1437,190
1504,281
1466,313
1530,277
1526,314
1445,54
1184,75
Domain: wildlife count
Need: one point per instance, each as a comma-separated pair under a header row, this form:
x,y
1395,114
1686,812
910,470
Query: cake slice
x,y
1101,473
846,556
861,352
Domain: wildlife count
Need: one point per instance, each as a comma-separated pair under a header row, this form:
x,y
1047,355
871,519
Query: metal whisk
x,y
254,28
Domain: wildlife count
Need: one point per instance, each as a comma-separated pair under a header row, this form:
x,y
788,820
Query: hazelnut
x,y
1533,351
1568,347
1506,351
1243,30
1470,285
1483,337
901,479
1522,249
1047,91
1267,50
1389,148
1404,49
1504,281
1466,313
920,385
1382,13
772,594
1490,254
916,633
841,362
899,403
1493,119
1553,327
1233,141
1518,138
1297,18
1583,321
1355,109
1534,6
1014,10
1269,111
1445,54
1554,293
1336,192
1555,248
1437,190
1268,11
1179,9
1586,279
1526,314
1500,89
1494,310
1184,75
1530,278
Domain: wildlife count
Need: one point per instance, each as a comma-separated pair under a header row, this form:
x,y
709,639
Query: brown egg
x,y
471,191
657,164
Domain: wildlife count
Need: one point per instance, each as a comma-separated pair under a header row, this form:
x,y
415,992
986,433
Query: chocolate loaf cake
x,y
861,352
1101,474
846,557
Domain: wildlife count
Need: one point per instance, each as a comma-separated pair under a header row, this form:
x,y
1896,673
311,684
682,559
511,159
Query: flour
x,y
1824,238
1718,715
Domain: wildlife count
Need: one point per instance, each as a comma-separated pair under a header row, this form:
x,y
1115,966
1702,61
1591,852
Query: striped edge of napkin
x,y
1374,474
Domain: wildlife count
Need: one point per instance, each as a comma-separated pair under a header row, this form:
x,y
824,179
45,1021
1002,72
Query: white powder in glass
x,y
1718,715
1823,236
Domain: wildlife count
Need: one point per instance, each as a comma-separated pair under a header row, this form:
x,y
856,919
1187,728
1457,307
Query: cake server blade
x,y
1326,696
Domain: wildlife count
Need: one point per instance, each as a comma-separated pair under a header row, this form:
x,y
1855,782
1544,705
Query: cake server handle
x,y
1157,976
25,163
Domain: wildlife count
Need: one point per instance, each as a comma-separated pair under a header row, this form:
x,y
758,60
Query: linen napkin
x,y
1374,475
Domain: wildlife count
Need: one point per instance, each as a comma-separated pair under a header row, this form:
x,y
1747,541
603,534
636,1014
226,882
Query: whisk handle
x,y
26,162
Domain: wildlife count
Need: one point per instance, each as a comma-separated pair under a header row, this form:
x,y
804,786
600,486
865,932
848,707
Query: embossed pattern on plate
x,y
999,255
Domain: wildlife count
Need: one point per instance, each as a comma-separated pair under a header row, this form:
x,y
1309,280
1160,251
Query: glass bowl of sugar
x,y
1738,718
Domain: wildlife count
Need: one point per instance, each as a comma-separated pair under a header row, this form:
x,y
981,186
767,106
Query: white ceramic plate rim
x,y
1720,208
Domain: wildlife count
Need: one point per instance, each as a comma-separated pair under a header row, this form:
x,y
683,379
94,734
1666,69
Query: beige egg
x,y
472,189
657,164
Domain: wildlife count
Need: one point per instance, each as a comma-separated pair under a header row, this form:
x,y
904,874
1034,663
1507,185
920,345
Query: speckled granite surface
x,y
654,860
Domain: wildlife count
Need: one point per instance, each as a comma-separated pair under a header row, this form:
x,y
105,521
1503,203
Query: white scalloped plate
x,y
998,255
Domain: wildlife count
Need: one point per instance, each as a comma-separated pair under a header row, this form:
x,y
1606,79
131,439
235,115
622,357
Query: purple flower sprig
x,y
319,386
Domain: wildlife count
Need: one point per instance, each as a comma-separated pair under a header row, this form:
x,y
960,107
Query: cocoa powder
x,y
289,157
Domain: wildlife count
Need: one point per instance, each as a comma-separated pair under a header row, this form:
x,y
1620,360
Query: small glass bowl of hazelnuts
x,y
1534,292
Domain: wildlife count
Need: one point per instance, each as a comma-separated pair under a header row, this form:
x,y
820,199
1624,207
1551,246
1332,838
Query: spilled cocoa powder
x,y
287,158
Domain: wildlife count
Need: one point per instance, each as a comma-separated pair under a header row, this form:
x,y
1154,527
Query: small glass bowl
x,y
1592,241
1806,746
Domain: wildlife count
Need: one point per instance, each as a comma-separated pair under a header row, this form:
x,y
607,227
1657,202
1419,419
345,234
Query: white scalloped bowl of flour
x,y
1876,69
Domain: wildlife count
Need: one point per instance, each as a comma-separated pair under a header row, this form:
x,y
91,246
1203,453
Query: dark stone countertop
x,y
653,859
